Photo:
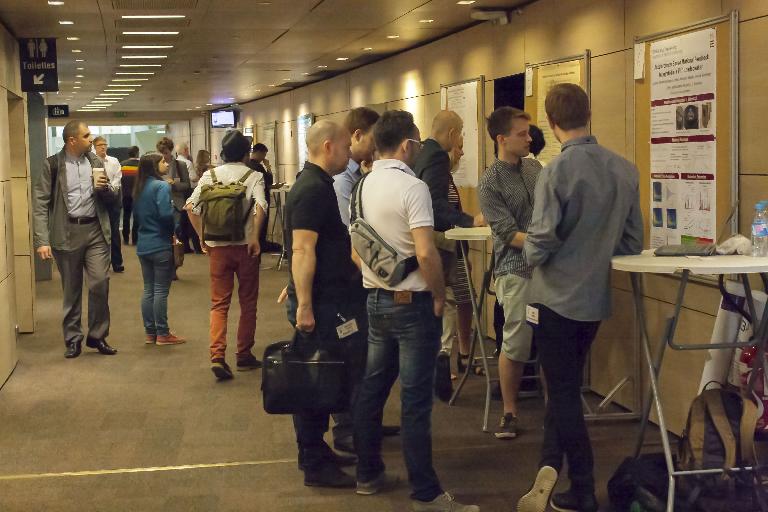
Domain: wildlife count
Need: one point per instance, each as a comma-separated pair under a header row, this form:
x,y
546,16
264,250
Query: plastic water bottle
x,y
760,231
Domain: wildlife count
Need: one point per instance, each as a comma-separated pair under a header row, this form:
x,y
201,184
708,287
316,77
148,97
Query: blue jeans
x,y
157,270
402,338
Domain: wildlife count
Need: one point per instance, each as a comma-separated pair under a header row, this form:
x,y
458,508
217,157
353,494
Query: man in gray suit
x,y
71,225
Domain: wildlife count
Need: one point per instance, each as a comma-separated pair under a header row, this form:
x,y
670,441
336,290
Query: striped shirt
x,y
506,199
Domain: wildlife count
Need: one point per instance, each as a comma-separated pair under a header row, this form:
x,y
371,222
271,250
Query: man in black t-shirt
x,y
323,283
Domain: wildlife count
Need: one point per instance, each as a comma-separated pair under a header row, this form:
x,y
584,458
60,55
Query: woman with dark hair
x,y
202,164
153,214
691,117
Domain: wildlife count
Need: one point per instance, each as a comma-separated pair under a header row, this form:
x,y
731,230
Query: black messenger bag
x,y
301,376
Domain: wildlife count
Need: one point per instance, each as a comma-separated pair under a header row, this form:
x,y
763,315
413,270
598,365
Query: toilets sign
x,y
39,70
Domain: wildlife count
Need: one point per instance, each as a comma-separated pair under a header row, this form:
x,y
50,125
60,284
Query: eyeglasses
x,y
417,142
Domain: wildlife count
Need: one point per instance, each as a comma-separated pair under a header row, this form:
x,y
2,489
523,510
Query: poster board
x,y
303,123
539,79
467,100
686,131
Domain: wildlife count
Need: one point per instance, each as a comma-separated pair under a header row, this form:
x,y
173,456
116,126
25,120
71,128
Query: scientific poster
x,y
683,147
462,99
549,76
302,127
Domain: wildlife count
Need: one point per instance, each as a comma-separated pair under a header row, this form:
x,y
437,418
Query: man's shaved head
x,y
448,129
444,121
321,132
328,145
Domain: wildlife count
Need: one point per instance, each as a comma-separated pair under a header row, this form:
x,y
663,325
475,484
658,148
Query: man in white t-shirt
x,y
114,175
405,321
241,257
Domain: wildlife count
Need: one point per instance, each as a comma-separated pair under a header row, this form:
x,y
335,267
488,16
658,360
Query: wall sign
x,y
58,110
39,69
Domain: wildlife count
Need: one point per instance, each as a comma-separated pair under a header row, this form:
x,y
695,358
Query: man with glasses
x,y
71,225
114,175
404,320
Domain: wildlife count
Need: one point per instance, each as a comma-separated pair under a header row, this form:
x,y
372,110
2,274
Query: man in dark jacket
x,y
130,169
433,167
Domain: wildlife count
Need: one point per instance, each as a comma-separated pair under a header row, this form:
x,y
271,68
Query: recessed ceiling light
x,y
209,104
79,76
80,69
321,66
393,36
367,49
342,58
426,21
144,57
66,22
286,79
124,85
77,51
73,39
55,2
150,33
118,90
78,82
114,94
273,85
152,16
130,79
76,87
465,2
305,74
79,60
134,72
257,90
198,107
146,46
141,65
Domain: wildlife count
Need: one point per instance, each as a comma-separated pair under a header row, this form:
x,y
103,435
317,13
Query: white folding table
x,y
686,266
480,234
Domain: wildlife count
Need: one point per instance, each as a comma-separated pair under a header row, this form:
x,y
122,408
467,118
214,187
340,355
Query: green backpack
x,y
224,217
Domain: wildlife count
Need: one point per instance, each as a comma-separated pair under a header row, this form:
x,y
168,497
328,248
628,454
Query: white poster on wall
x,y
549,76
462,99
302,127
683,145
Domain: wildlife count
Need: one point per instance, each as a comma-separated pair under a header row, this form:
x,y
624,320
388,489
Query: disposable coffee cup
x,y
98,171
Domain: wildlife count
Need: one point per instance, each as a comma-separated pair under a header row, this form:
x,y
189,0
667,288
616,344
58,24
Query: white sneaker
x,y
537,498
443,503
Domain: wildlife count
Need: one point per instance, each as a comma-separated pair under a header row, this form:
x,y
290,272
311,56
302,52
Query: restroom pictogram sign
x,y
39,69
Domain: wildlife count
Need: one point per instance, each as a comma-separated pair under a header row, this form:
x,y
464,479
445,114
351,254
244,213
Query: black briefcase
x,y
302,376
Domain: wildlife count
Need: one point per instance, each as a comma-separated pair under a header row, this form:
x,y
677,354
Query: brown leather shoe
x,y
170,339
150,339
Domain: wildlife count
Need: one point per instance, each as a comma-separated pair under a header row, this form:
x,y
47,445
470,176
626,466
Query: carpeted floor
x,y
180,441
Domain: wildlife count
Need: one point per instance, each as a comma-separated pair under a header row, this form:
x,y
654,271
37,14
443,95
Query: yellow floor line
x,y
101,472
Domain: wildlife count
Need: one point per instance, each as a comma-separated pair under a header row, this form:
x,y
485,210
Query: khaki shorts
x,y
512,294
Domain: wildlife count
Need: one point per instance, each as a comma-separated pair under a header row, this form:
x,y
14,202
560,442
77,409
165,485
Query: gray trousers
x,y
90,255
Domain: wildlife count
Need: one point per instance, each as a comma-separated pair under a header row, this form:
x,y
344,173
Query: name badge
x,y
346,329
532,315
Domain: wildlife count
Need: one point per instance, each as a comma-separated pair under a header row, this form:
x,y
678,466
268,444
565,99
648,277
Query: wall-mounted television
x,y
224,118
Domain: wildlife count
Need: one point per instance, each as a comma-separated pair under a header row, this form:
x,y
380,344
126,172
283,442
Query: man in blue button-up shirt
x,y
586,210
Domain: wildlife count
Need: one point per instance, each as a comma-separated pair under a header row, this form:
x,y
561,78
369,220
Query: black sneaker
x,y
248,363
507,427
443,386
221,369
328,475
572,502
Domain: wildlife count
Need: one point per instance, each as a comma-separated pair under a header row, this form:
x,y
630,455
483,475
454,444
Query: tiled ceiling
x,y
225,51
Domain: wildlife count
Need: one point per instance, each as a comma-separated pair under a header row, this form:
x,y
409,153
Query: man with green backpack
x,y
228,209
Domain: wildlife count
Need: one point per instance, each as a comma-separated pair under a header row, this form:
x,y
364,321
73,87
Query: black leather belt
x,y
82,220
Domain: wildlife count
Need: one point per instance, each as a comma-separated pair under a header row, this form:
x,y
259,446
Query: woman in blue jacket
x,y
153,214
